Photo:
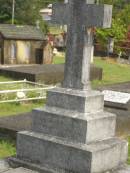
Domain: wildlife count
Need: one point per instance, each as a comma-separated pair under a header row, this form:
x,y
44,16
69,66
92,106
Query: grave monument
x,y
72,133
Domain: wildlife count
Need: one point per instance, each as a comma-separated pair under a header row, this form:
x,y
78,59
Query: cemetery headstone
x,y
110,46
72,133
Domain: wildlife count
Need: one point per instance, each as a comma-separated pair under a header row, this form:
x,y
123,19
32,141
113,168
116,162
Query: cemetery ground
x,y
112,73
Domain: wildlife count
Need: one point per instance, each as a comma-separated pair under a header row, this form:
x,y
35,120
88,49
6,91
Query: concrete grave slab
x,y
17,122
117,99
46,73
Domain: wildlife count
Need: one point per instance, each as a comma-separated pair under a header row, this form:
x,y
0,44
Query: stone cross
x,y
80,17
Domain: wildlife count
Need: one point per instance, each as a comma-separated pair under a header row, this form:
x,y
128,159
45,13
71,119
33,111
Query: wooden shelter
x,y
23,45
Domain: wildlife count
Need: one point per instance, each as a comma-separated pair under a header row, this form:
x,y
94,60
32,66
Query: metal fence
x,y
22,90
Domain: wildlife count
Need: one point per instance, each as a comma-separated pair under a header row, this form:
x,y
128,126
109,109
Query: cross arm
x,y
59,13
97,15
94,15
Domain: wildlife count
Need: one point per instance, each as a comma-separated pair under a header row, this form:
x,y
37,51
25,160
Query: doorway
x,y
39,56
1,56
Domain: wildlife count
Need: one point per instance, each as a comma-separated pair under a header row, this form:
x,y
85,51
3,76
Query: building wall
x,y
48,54
1,49
21,52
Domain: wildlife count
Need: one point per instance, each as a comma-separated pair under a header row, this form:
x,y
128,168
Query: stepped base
x,y
19,170
17,162
124,169
74,126
85,101
70,157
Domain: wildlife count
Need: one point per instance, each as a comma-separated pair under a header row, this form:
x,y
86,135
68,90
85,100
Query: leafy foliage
x,y
117,31
124,15
26,11
5,10
120,22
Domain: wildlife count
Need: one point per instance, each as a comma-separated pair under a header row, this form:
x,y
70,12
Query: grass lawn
x,y
8,109
7,148
4,79
112,71
16,108
59,59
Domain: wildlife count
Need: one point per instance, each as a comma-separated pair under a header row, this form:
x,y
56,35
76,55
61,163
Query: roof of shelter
x,y
22,32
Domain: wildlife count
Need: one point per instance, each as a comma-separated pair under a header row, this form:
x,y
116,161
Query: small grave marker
x,y
116,99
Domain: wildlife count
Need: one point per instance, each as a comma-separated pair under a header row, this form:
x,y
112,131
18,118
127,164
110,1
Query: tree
x,y
117,31
120,21
124,15
26,11
5,11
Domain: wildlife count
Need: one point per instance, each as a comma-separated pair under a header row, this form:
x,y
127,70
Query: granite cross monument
x,y
78,16
72,133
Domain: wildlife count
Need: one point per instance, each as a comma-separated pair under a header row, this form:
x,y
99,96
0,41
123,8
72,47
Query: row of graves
x,y
73,133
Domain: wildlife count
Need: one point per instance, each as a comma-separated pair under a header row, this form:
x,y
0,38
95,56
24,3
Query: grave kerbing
x,y
72,133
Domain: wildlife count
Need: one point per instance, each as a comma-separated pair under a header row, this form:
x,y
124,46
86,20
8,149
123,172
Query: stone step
x,y
20,170
33,166
74,126
56,153
16,161
76,100
4,166
123,169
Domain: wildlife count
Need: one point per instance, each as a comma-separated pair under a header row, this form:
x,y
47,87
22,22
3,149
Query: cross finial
x,y
80,17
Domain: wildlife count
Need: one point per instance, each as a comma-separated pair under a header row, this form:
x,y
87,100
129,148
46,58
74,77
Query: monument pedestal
x,y
72,134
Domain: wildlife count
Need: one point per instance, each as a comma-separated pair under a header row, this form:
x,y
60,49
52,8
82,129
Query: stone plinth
x,y
68,136
82,101
62,155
